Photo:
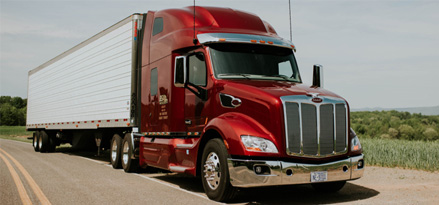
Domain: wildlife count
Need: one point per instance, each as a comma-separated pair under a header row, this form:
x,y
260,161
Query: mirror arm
x,y
201,92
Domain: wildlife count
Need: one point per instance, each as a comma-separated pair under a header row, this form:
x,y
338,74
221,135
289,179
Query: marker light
x,y
355,142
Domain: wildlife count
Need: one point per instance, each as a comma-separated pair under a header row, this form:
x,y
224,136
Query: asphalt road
x,y
69,177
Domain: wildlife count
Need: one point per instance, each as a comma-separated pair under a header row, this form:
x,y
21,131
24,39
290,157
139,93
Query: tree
x,y
406,132
12,110
8,114
431,134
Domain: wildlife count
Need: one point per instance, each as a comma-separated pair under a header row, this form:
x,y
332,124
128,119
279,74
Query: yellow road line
x,y
21,190
43,199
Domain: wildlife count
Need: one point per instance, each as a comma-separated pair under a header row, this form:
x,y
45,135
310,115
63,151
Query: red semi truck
x,y
210,92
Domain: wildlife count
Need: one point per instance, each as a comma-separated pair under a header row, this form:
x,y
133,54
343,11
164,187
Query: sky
x,y
375,53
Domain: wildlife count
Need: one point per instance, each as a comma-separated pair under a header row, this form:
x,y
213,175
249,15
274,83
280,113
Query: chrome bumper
x,y
243,172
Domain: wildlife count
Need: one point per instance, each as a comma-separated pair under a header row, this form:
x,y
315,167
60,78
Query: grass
x,y
18,133
421,155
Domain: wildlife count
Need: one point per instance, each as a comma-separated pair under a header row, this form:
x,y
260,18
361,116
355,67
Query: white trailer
x,y
88,92
88,86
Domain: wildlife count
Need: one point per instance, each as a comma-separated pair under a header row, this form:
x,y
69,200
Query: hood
x,y
276,89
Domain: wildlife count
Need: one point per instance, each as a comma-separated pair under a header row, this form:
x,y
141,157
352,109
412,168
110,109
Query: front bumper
x,y
243,172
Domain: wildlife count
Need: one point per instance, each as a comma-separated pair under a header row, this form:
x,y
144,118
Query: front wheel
x,y
329,187
215,172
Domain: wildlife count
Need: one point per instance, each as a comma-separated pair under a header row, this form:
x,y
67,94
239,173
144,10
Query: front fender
x,y
232,125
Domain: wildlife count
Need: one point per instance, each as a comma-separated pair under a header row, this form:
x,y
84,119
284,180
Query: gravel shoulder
x,y
400,186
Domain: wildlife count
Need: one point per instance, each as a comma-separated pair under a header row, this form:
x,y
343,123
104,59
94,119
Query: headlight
x,y
355,142
257,144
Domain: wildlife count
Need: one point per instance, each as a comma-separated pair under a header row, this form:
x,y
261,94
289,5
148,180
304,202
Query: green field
x,y
422,155
15,133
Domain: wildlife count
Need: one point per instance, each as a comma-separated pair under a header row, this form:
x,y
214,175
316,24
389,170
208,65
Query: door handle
x,y
188,122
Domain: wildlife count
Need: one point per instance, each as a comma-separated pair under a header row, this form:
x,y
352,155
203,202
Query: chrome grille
x,y
315,129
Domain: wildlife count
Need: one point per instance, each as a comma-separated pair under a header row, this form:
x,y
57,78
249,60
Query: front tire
x,y
329,187
215,172
128,163
115,158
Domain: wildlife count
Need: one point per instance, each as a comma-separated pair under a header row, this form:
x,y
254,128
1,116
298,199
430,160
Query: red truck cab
x,y
222,98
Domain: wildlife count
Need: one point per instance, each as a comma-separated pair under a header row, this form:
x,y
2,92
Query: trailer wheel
x,y
128,163
329,187
44,141
36,140
116,144
215,172
52,142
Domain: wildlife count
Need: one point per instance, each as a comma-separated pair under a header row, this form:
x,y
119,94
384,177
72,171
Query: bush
x,y
431,134
395,125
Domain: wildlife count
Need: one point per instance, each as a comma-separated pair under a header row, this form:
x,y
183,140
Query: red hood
x,y
267,88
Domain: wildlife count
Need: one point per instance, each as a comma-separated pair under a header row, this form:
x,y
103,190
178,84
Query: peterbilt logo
x,y
317,100
315,97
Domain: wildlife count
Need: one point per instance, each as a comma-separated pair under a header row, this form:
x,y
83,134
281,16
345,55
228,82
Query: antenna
x,y
291,27
195,39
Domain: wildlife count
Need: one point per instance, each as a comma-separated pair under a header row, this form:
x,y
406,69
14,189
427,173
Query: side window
x,y
285,69
158,26
197,69
179,73
154,81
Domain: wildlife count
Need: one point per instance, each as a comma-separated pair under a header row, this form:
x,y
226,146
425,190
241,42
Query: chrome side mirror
x,y
317,78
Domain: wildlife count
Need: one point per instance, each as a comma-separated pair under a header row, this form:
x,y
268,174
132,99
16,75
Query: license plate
x,y
319,176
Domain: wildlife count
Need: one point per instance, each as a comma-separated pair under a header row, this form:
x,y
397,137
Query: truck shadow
x,y
292,194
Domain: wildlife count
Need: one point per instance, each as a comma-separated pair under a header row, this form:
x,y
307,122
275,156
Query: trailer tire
x,y
115,158
44,141
35,142
52,142
329,187
215,172
128,163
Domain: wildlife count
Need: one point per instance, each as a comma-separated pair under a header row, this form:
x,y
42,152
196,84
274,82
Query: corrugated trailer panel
x,y
90,82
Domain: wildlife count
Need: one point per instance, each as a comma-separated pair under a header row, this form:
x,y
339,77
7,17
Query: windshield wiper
x,y
246,76
281,76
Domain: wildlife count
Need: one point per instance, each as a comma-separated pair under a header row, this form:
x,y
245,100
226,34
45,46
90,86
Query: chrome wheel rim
x,y
125,153
212,170
40,142
114,151
35,141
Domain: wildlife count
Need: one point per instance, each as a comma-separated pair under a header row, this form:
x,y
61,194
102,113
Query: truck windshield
x,y
261,62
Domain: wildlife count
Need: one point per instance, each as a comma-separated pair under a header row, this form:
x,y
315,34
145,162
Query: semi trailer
x,y
206,91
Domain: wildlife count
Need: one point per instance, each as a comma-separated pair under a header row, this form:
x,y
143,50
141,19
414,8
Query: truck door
x,y
195,114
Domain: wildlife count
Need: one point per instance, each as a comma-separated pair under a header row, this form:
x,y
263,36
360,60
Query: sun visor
x,y
207,38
